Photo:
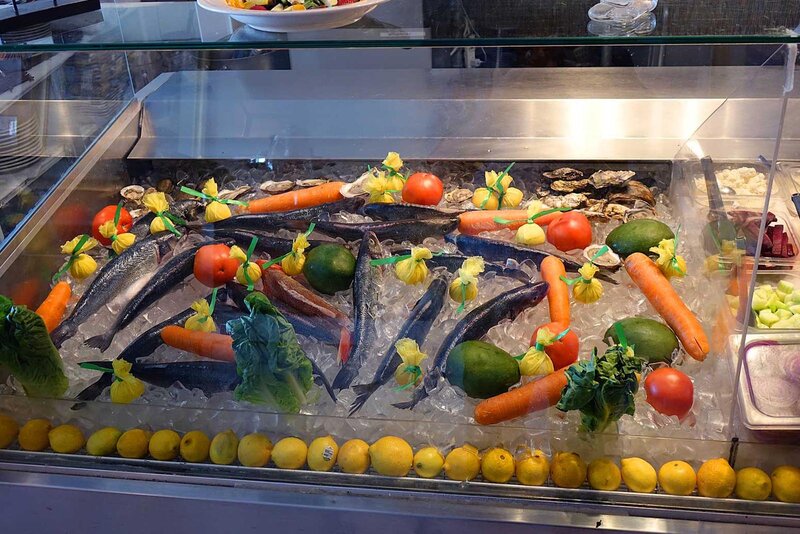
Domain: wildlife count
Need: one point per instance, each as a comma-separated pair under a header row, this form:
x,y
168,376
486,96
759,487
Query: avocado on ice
x,y
481,369
638,236
651,340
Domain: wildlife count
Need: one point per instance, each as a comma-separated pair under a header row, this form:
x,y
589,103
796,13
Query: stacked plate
x,y
27,35
21,143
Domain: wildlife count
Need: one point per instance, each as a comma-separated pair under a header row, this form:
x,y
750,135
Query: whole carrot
x,y
52,309
477,221
302,198
666,301
532,397
552,270
205,344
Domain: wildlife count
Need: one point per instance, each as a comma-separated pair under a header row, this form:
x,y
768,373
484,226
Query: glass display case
x,y
450,263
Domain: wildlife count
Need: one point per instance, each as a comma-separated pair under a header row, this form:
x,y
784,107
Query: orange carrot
x,y
666,301
532,397
52,309
302,198
552,270
205,344
476,221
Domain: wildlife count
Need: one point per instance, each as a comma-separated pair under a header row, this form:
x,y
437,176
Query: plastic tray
x,y
692,171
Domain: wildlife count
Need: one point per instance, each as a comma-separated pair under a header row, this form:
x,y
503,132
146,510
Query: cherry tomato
x,y
563,352
213,265
570,231
669,391
423,188
107,214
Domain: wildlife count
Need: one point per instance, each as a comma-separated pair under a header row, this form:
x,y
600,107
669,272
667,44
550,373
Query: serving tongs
x,y
719,227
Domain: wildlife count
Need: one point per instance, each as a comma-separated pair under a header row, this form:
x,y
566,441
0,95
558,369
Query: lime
x,y
223,449
604,475
103,442
497,465
66,439
716,478
330,268
33,435
428,462
133,443
568,470
354,456
195,446
462,463
391,456
290,453
255,450
8,431
533,468
322,454
165,444
753,484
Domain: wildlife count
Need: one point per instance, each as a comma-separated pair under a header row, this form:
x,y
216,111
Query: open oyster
x,y
564,173
569,186
602,179
572,200
277,187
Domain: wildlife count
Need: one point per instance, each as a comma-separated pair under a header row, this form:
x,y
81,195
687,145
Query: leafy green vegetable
x,y
603,387
28,352
273,366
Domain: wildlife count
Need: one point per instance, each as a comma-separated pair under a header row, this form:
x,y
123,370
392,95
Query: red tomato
x,y
669,391
570,231
563,352
423,188
107,214
213,265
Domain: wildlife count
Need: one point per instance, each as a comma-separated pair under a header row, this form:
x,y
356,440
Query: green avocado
x,y
651,340
481,370
638,236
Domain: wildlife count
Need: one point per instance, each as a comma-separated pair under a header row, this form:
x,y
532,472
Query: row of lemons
x,y
393,456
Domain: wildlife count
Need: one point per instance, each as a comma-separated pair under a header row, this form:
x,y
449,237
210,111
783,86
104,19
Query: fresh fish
x,y
474,326
416,327
366,290
209,377
403,211
453,262
133,267
494,250
402,230
267,244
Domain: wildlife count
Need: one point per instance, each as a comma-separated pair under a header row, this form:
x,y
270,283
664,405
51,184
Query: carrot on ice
x,y
666,301
302,198
205,344
52,309
476,221
552,269
532,397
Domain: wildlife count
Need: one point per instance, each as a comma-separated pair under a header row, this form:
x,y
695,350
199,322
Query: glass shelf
x,y
419,23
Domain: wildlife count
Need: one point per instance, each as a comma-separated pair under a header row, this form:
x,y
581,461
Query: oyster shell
x,y
608,259
138,212
457,196
564,173
132,192
276,187
310,182
571,200
595,204
165,185
234,193
569,186
602,179
634,191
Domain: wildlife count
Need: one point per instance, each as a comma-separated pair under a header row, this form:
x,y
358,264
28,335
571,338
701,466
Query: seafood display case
x,y
547,277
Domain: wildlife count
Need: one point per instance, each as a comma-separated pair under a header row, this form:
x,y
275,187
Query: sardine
x,y
267,244
133,267
209,377
453,262
474,326
402,211
416,327
403,230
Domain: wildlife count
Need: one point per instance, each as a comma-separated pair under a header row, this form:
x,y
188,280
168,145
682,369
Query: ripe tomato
x,y
570,231
669,391
107,214
563,352
423,188
213,265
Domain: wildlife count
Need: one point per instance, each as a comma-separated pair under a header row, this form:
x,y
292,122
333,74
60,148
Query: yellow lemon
x,y
639,475
255,450
8,431
322,453
753,484
290,453
103,442
568,470
716,478
677,478
462,463
66,439
133,443
165,444
195,446
603,474
497,465
354,456
483,199
533,468
223,448
33,435
428,462
786,483
391,456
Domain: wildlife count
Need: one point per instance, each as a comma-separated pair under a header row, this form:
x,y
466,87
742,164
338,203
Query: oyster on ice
x,y
277,187
457,196
311,182
132,192
634,190
602,179
569,186
231,194
571,200
564,173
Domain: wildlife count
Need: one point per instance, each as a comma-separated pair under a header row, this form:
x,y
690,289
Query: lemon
x,y
194,446
753,484
716,478
391,456
322,454
66,439
533,468
568,470
223,448
133,443
354,457
462,463
603,474
428,462
8,431
677,478
103,442
290,453
33,435
639,475
165,444
786,483
255,450
497,465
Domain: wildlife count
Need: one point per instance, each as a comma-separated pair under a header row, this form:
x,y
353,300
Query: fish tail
x,y
345,376
61,333
363,392
323,379
101,341
419,394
